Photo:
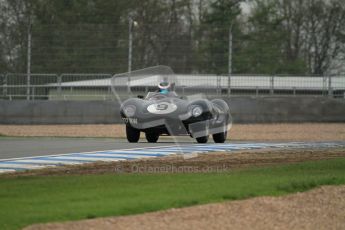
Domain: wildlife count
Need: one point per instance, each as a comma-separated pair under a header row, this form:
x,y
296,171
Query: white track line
x,y
24,166
90,158
44,162
7,170
113,155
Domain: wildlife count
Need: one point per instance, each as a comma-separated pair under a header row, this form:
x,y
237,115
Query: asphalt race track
x,y
14,147
19,154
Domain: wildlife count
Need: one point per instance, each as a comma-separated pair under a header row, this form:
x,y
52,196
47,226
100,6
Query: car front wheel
x,y
151,137
203,139
132,134
219,137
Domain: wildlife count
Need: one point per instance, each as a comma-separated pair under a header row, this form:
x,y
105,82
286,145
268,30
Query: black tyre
x,y
152,137
219,137
132,134
203,139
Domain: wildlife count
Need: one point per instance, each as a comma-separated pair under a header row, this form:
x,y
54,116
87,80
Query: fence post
x,y
219,87
272,84
4,89
230,59
28,67
59,82
229,85
324,85
330,90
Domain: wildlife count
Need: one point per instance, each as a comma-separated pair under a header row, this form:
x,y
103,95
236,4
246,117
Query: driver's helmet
x,y
164,87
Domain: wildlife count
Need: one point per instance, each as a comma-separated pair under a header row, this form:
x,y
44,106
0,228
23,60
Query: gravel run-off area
x,y
321,208
247,132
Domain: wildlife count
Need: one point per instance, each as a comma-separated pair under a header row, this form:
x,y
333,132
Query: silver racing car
x,y
163,112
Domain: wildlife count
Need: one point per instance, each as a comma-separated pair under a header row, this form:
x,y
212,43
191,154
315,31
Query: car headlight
x,y
129,110
196,111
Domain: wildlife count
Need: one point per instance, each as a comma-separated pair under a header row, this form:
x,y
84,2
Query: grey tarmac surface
x,y
16,147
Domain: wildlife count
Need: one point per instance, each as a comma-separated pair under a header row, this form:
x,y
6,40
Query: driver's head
x,y
164,87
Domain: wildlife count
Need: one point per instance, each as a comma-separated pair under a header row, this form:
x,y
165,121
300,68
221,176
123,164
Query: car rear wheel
x,y
132,134
220,137
203,139
152,137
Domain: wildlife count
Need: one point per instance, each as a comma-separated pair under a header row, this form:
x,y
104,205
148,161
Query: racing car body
x,y
160,114
163,111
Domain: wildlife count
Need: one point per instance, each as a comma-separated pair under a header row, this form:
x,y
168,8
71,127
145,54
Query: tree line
x,y
191,36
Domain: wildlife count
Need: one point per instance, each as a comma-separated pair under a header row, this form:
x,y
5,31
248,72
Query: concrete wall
x,y
244,110
58,112
287,109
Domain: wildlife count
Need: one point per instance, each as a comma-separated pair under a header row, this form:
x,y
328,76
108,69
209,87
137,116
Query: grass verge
x,y
36,199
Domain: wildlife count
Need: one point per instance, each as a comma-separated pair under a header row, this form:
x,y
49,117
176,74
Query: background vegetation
x,y
192,36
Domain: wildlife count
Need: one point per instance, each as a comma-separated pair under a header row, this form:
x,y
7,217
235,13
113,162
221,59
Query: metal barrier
x,y
17,86
82,87
98,86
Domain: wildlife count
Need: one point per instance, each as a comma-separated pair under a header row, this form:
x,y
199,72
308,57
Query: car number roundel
x,y
162,108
